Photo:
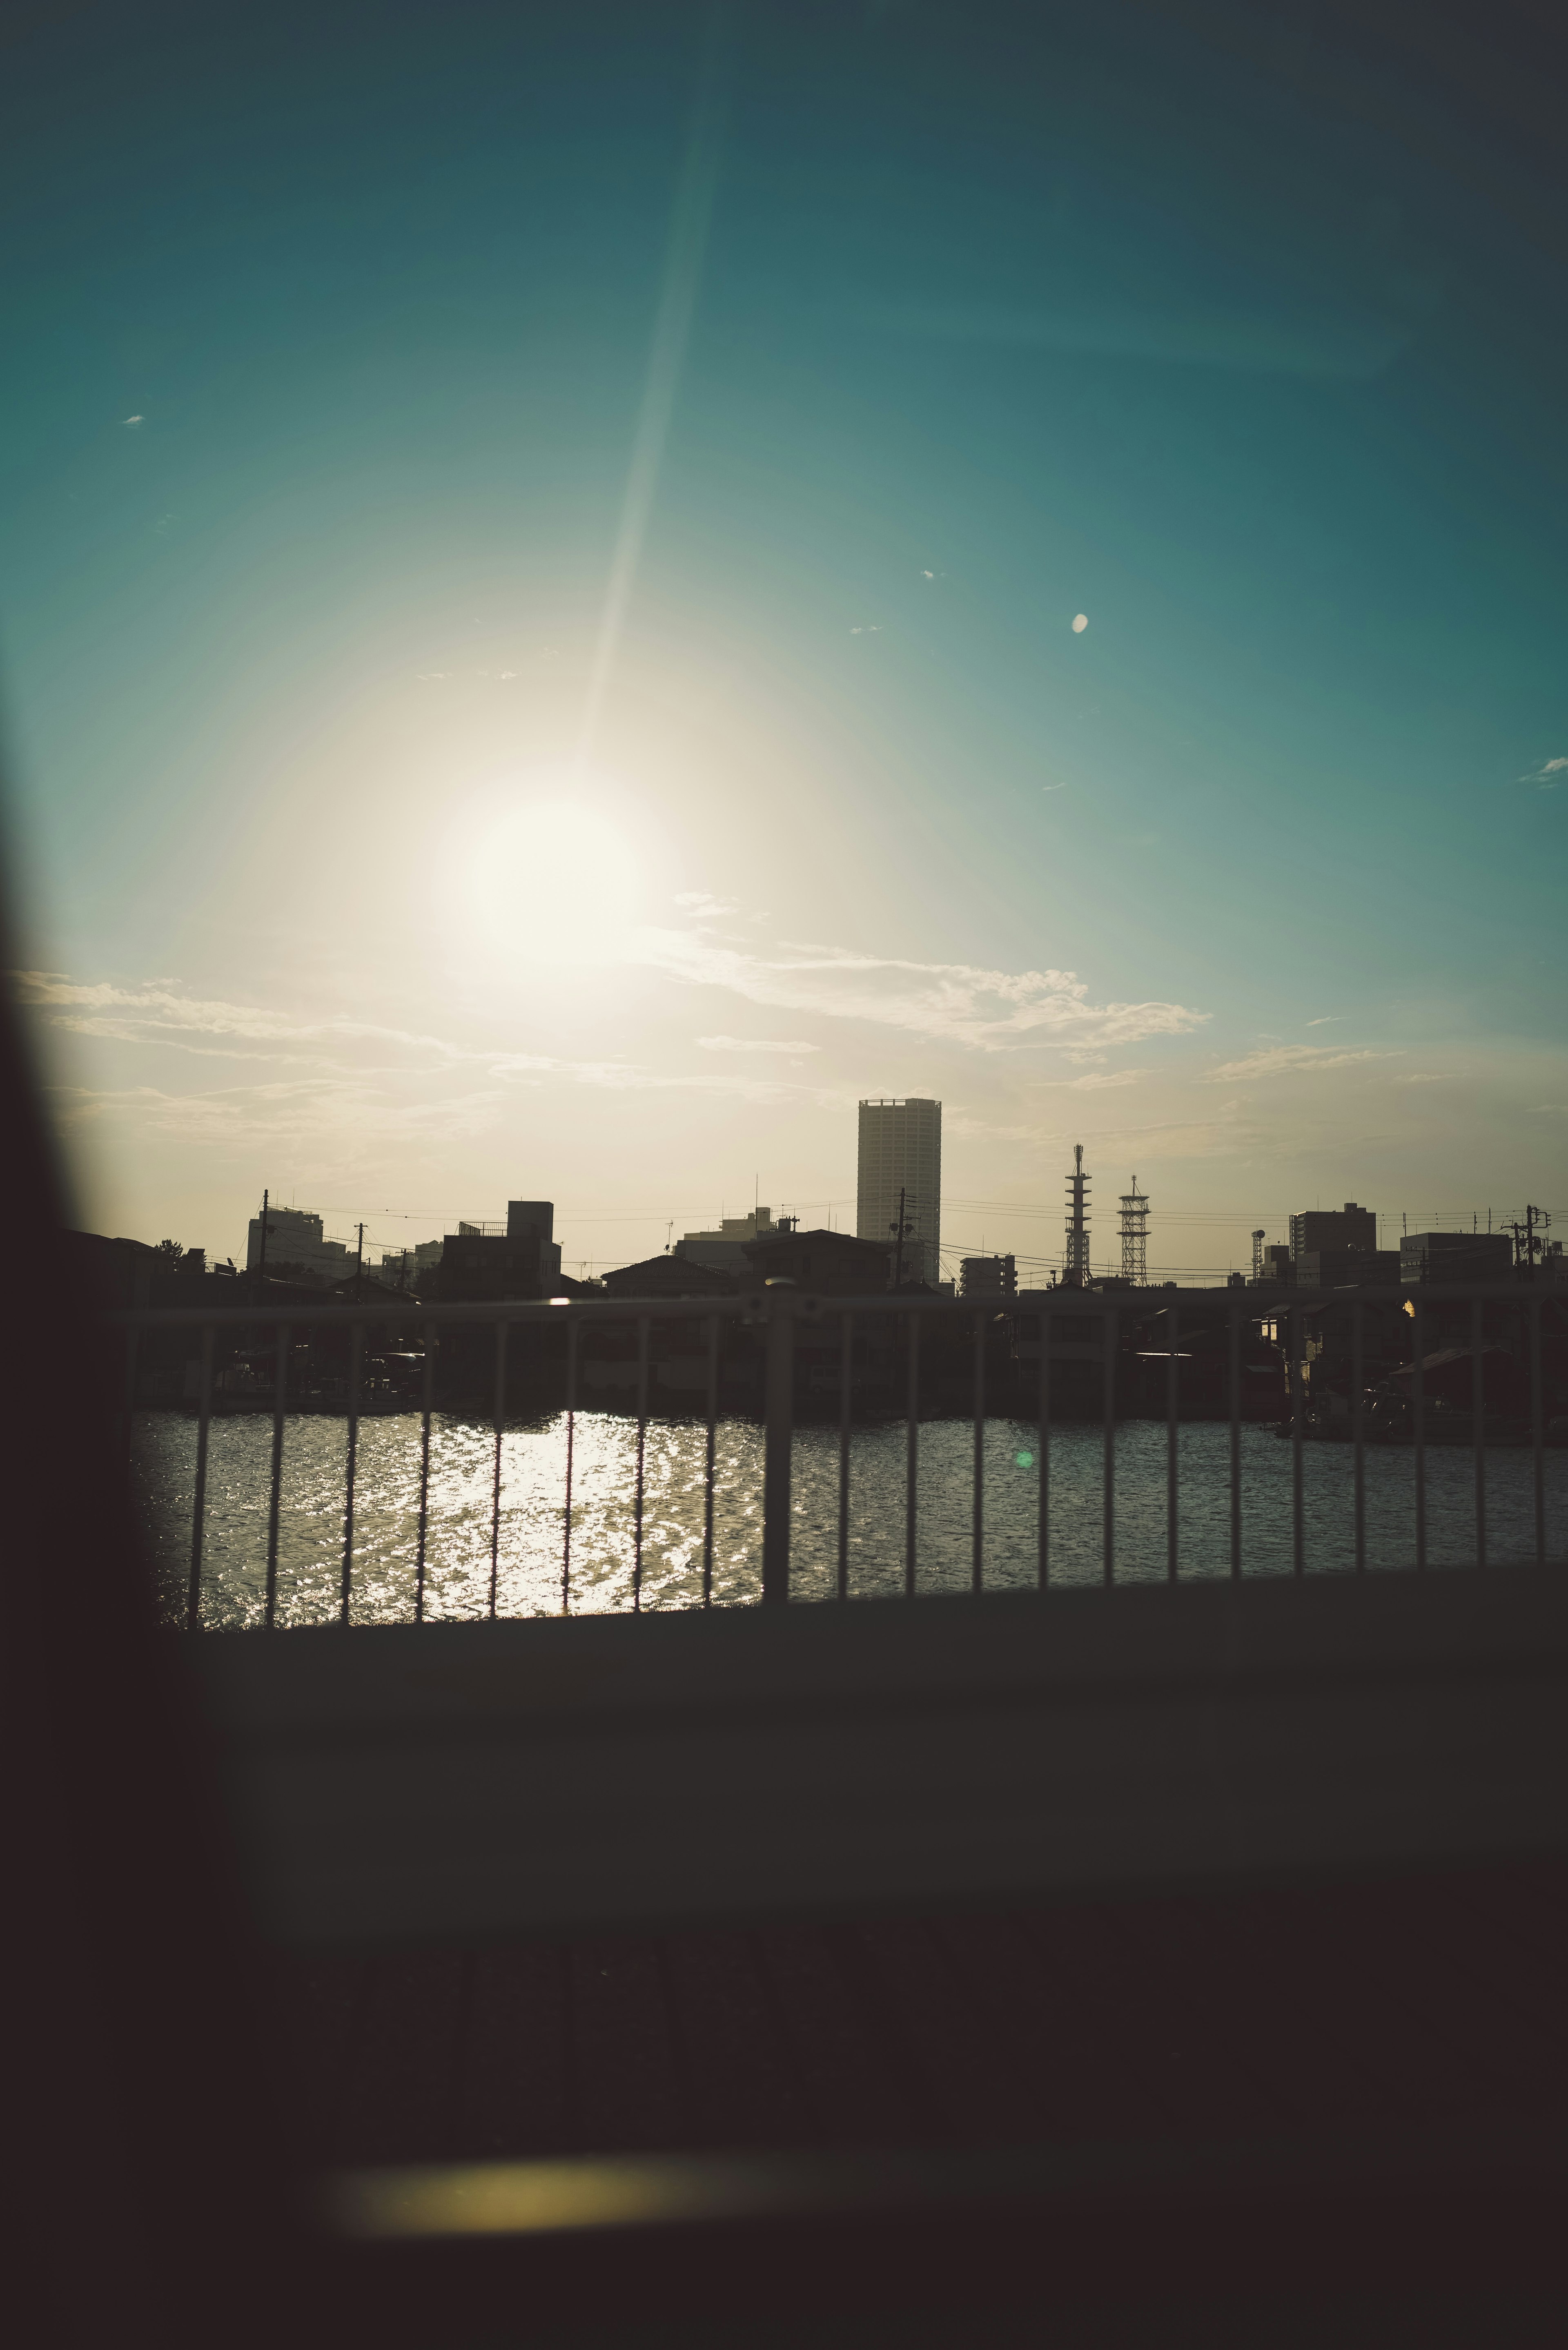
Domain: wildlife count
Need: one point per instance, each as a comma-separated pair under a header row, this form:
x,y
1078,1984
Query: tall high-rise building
x,y
901,1152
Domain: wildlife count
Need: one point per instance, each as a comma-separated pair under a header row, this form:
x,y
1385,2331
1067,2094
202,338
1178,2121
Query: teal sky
x,y
538,556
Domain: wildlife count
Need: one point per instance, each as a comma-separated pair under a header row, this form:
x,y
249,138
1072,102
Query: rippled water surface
x,y
529,1531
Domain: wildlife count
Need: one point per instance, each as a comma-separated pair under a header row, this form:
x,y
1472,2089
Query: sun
x,y
555,877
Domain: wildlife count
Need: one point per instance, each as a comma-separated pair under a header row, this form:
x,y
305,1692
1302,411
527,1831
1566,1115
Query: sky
x,y
581,589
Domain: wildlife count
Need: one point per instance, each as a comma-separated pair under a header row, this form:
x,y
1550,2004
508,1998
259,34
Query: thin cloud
x,y
1325,1020
1099,1079
131,422
753,1044
336,1088
705,908
1289,1061
988,1011
1424,1077
1549,774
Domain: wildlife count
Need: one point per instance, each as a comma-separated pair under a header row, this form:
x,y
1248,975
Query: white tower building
x,y
902,1152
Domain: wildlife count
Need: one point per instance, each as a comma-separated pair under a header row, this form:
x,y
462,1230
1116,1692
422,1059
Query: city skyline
x,y
719,645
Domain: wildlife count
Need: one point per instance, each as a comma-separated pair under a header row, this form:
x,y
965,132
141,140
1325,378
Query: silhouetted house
x,y
668,1276
116,1272
476,1267
830,1264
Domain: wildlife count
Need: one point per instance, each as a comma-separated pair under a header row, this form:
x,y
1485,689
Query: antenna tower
x,y
1075,1263
1135,1234
1258,1254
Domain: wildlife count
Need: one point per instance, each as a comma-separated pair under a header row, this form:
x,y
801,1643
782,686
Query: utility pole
x,y
899,1229
1528,1244
261,1261
359,1265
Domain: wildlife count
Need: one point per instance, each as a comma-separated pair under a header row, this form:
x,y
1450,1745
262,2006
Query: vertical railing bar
x,y
274,1490
1478,1421
572,1329
1044,1523
1235,1399
1172,1408
356,1349
644,1326
1357,1433
199,1515
128,1465
778,1439
501,1333
1419,1415
977,1564
1537,1432
912,1452
846,1404
1298,1426
1110,1335
427,1402
707,1461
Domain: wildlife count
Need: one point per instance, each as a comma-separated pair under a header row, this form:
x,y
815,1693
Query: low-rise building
x,y
1455,1256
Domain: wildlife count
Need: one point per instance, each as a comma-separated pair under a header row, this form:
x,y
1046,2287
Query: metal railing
x,y
780,1318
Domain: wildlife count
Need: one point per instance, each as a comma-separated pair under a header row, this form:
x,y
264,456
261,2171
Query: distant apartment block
x,y
901,1150
293,1236
723,1250
1321,1229
988,1276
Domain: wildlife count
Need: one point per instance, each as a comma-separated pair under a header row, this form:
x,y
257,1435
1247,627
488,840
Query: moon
x,y
1080,622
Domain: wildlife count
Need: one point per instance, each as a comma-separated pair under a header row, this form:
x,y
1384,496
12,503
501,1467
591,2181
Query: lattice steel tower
x,y
1135,1234
1075,1263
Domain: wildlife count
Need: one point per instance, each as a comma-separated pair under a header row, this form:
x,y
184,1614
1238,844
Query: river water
x,y
531,1526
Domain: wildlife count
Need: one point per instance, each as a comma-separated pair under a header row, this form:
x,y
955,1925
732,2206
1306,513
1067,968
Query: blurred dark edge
x,y
147,2180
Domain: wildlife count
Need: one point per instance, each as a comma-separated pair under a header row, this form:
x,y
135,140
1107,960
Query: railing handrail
x,y
1248,1304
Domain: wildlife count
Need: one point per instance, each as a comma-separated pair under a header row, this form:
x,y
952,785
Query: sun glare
x,y
555,879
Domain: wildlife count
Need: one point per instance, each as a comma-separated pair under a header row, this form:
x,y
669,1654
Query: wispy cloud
x,y
336,1070
1423,1078
753,1044
703,907
1547,1109
1099,1079
988,1011
1289,1061
1549,774
1325,1020
131,422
